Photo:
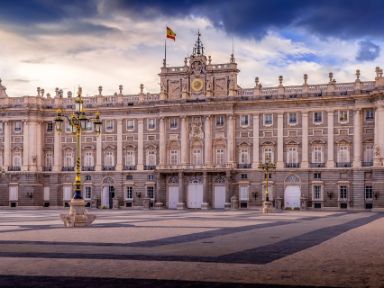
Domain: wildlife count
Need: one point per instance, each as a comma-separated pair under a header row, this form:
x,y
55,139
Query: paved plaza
x,y
170,248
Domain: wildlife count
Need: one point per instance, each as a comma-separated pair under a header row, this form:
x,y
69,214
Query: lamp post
x,y
267,166
78,121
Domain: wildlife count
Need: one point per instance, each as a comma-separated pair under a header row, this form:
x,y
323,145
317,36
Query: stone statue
x,y
377,151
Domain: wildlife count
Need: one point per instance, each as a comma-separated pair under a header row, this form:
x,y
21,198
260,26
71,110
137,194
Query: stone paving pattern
x,y
165,248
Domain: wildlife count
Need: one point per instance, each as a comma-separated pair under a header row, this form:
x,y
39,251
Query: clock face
x,y
197,84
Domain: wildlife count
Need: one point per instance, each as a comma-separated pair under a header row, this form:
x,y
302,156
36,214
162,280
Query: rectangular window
x,y
343,116
244,120
220,121
49,126
129,192
368,153
151,124
369,115
292,155
174,157
130,124
151,177
151,192
268,119
368,192
317,117
109,125
317,192
343,155
244,176
317,175
173,123
244,193
88,192
219,156
292,118
343,192
89,126
18,126
317,154
268,154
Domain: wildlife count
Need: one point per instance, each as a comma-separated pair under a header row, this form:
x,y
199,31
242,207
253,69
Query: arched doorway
x,y
292,192
107,193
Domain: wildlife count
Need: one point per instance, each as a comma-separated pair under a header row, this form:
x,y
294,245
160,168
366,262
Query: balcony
x,y
130,167
14,168
149,167
68,168
244,166
292,165
108,168
343,164
317,165
88,168
47,168
367,164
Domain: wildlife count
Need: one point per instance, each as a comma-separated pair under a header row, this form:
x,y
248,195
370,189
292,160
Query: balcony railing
x,y
292,165
68,168
367,164
244,166
47,168
108,168
149,167
88,168
317,165
343,164
130,167
14,168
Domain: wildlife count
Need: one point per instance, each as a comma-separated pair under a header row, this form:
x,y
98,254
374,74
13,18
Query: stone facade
x,y
199,142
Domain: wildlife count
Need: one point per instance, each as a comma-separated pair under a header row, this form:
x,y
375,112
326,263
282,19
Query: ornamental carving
x,y
196,129
220,179
173,179
196,180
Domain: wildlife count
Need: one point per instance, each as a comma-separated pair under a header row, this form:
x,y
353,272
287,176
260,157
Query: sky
x,y
91,43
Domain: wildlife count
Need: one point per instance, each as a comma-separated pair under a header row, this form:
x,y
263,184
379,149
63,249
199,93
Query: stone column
x,y
357,139
162,149
208,141
39,150
57,153
32,154
25,146
304,154
379,136
181,204
140,145
230,140
205,204
331,144
99,153
184,139
256,142
228,192
280,141
7,144
119,146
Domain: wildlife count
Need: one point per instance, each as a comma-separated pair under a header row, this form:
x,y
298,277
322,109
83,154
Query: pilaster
x,y
256,142
331,140
99,153
57,153
119,146
208,141
162,149
230,140
280,141
304,141
7,144
140,145
357,139
25,145
184,137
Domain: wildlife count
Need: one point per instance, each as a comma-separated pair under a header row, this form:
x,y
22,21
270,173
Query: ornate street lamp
x,y
78,121
267,166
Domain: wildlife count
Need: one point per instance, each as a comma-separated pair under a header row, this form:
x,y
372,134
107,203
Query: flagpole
x,y
165,52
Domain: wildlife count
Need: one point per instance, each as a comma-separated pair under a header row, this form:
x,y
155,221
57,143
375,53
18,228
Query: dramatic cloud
x,y
368,51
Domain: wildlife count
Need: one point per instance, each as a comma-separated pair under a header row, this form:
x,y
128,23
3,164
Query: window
x,y
343,116
68,159
369,115
244,176
244,156
130,124
292,155
18,126
268,154
49,159
292,118
151,124
268,119
244,120
317,117
244,193
88,192
151,158
368,192
129,177
88,159
317,175
109,125
151,192
343,192
88,178
130,158
174,157
129,192
68,128
317,192
343,154
109,160
368,153
317,154
89,126
173,123
151,177
196,156
220,156
220,121
16,159
49,126
1,127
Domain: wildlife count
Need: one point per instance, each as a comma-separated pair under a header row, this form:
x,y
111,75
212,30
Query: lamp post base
x,y
267,207
77,216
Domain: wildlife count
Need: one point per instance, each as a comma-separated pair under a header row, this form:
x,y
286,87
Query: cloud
x,y
368,51
36,60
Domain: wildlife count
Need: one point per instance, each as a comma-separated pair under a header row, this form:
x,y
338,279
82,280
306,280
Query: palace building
x,y
198,143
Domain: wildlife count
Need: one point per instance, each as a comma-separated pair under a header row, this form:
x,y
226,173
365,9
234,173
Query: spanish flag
x,y
171,34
